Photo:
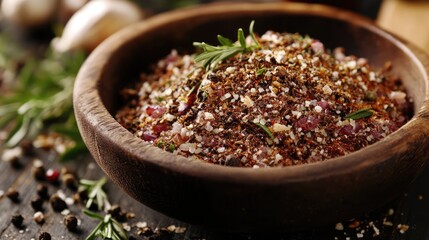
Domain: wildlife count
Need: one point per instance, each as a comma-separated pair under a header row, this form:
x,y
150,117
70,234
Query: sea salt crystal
x,y
220,150
339,227
209,127
208,116
280,127
327,90
246,100
230,69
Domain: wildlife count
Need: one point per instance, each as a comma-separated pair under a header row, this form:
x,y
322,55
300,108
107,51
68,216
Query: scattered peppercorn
x,y
42,191
57,203
13,195
117,213
52,175
69,180
39,172
45,236
39,217
82,195
161,234
71,222
26,147
66,170
17,220
15,163
37,204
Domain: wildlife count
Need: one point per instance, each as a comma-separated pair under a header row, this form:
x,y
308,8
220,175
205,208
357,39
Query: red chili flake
x,y
307,123
155,111
52,175
346,130
148,137
323,104
161,127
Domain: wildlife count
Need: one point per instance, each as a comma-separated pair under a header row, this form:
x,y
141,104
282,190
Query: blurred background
x,y
408,19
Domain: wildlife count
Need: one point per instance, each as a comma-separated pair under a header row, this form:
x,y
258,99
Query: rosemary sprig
x,y
261,71
42,97
96,194
362,113
108,228
212,55
266,130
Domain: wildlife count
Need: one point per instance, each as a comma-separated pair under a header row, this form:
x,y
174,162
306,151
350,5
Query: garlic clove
x,y
96,21
28,13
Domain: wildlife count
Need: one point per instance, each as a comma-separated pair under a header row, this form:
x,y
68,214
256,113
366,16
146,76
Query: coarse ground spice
x,y
287,103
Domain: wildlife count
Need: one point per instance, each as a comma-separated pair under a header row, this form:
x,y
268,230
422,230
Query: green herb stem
x,y
212,55
266,130
96,194
362,113
107,228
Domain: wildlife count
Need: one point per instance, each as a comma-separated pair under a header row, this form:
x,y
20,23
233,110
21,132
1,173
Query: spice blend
x,y
288,102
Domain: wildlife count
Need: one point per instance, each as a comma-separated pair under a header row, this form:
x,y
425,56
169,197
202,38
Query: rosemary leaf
x,y
108,228
95,192
362,113
241,38
224,41
266,129
261,71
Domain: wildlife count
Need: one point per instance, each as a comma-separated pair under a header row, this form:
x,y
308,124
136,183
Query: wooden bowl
x,y
245,199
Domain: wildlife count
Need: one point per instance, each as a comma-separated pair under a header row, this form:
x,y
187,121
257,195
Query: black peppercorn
x,y
13,195
57,203
45,236
26,147
42,191
70,181
161,234
71,222
39,218
39,173
15,163
82,195
37,204
117,213
17,220
146,232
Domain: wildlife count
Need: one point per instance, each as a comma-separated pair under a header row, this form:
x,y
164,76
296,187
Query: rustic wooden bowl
x,y
244,199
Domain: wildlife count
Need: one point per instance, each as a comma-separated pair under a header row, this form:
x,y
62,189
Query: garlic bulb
x,y
28,13
69,7
96,21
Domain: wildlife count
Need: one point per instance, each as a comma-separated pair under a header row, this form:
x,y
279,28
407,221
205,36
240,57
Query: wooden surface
x,y
411,208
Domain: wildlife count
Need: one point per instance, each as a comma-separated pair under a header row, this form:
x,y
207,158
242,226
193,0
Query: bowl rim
x,y
103,122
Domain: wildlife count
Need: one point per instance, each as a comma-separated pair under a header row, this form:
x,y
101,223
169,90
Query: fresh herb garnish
x,y
95,192
108,228
261,71
42,97
212,55
362,113
266,129
171,147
